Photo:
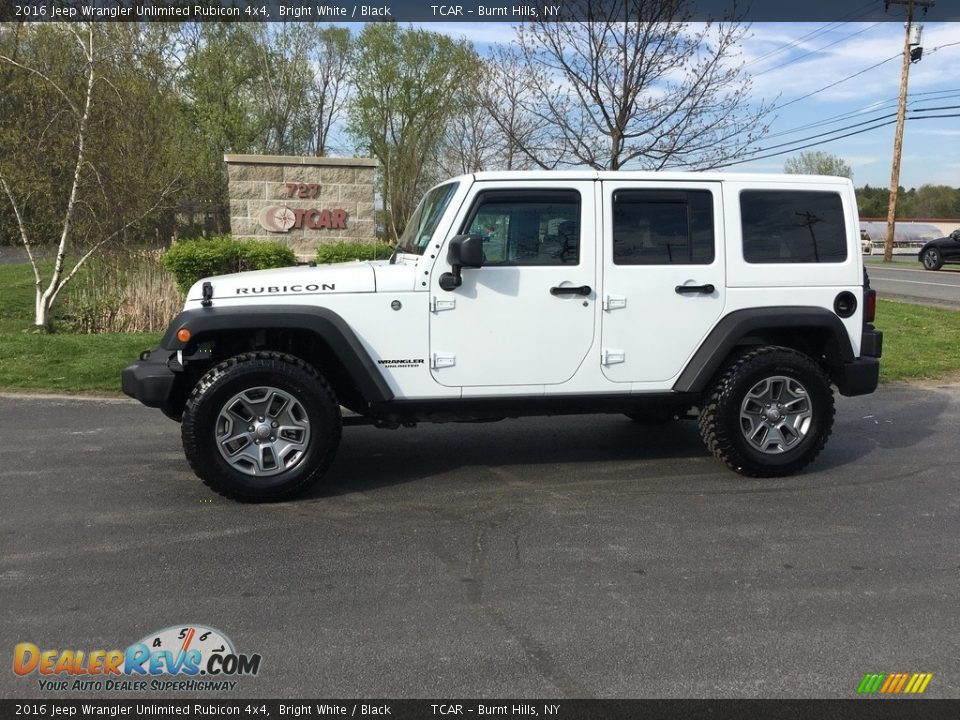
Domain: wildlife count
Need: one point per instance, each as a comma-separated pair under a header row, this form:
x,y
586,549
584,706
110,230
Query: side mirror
x,y
955,234
463,251
466,251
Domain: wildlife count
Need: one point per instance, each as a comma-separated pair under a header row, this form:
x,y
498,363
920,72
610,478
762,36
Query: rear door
x,y
663,275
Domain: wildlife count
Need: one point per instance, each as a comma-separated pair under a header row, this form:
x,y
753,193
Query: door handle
x,y
574,290
691,289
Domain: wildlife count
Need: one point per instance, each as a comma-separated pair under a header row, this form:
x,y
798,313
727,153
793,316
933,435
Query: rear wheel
x,y
932,259
769,413
261,426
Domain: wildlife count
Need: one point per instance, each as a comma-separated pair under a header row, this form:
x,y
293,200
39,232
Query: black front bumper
x,y
150,380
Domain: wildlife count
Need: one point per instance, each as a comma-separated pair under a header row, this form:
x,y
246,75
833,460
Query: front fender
x,y
323,322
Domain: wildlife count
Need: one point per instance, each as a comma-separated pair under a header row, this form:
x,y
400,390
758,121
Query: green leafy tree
x,y
936,201
405,81
817,163
218,83
75,172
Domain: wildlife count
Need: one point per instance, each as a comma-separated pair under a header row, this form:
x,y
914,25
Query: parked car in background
x,y
935,253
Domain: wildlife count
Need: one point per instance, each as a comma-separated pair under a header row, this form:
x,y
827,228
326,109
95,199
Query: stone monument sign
x,y
302,202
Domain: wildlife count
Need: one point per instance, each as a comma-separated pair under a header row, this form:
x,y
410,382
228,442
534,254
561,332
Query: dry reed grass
x,y
123,291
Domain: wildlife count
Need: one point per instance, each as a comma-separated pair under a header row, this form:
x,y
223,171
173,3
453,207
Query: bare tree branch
x,y
636,83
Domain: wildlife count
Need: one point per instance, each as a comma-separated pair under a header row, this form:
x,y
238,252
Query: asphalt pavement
x,y
548,557
906,280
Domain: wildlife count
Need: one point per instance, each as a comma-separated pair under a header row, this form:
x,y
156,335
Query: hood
x,y
289,282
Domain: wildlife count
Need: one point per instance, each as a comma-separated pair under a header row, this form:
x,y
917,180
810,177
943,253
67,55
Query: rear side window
x,y
793,226
663,227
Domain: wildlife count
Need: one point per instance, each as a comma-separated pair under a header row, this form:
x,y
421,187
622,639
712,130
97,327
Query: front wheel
x,y
261,426
769,413
932,260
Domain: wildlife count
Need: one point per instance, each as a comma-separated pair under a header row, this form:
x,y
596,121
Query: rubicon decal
x,y
894,683
274,289
179,651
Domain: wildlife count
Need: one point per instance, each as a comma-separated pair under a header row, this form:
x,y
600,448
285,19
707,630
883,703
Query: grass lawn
x,y
58,361
919,343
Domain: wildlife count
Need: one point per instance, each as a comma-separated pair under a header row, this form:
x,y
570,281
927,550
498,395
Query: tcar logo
x,y
277,219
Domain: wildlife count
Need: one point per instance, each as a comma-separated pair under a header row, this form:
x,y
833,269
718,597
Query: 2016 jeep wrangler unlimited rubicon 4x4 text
x,y
509,294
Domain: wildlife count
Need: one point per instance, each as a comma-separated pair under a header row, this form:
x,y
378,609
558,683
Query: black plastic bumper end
x,y
149,380
859,377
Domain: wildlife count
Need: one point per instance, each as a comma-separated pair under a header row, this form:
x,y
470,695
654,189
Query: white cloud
x,y
487,33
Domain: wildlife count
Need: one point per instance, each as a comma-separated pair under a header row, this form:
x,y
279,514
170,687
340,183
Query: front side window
x,y
423,223
793,226
527,227
663,227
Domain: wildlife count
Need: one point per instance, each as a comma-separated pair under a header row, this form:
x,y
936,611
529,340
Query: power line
x,y
877,106
875,124
940,47
851,16
811,52
803,147
834,84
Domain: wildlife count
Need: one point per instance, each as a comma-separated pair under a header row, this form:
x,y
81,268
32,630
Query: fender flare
x,y
717,346
320,321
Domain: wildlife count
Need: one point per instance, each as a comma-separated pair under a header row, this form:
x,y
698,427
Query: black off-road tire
x,y
292,377
720,416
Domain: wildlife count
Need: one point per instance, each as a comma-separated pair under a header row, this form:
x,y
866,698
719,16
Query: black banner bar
x,y
506,11
216,709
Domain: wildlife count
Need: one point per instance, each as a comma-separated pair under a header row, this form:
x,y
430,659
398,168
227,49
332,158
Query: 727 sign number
x,y
303,190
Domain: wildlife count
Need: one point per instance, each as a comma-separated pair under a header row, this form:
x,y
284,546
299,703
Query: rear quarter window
x,y
793,226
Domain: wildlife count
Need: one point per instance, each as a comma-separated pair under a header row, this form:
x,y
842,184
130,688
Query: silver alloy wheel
x,y
776,414
931,258
263,431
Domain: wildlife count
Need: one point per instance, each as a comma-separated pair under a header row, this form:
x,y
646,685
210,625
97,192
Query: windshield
x,y
425,219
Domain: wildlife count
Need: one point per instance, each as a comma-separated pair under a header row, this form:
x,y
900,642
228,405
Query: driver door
x,y
527,316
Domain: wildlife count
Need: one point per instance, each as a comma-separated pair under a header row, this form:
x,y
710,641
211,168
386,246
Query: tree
x,y
282,85
405,80
507,95
936,201
610,92
329,89
817,163
74,171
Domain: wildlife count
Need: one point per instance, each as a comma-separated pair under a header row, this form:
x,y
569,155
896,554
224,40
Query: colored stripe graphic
x,y
871,683
894,683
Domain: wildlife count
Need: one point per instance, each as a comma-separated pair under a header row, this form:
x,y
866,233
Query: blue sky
x,y
792,60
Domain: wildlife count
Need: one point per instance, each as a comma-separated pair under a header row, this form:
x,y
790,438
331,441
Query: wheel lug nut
x,y
275,424
261,419
250,429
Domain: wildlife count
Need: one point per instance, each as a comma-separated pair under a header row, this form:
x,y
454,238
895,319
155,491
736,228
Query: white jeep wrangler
x,y
509,294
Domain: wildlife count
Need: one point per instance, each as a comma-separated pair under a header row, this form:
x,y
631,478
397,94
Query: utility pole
x,y
901,114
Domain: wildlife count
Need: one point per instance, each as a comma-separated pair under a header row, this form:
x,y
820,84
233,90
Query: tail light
x,y
869,305
869,299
